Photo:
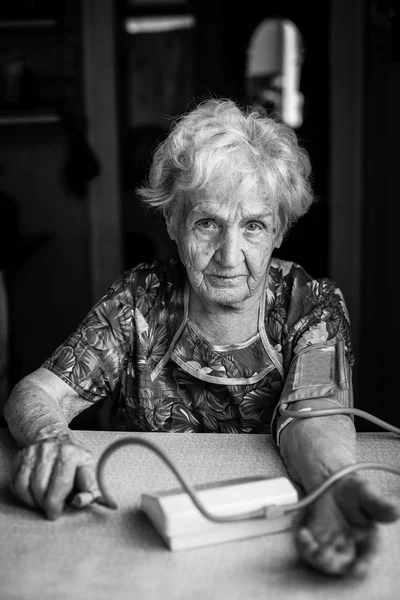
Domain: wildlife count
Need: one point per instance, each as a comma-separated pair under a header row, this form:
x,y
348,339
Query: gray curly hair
x,y
220,139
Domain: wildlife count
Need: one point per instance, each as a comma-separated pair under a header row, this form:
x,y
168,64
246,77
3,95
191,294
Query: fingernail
x,y
83,499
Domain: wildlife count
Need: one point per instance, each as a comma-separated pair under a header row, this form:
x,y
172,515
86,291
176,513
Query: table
x,y
100,554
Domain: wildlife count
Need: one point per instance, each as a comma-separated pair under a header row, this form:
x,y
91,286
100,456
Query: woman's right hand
x,y
47,472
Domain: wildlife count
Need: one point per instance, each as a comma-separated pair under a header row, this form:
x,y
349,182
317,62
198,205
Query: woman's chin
x,y
234,297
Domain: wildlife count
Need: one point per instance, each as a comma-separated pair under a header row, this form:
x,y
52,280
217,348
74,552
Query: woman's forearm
x,y
315,448
32,414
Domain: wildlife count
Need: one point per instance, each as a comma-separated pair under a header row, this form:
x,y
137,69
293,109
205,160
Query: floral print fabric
x,y
137,349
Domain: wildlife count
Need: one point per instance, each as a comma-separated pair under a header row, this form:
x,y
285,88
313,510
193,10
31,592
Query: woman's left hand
x,y
339,533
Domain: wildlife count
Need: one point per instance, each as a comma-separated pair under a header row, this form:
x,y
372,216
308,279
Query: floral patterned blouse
x,y
138,349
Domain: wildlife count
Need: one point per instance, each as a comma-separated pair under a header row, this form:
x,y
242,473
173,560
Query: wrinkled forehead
x,y
228,197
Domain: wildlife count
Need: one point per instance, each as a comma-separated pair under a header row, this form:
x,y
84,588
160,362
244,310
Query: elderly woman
x,y
216,341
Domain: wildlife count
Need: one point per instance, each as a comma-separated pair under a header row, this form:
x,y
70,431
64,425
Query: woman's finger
x,y
376,506
46,455
362,503
85,479
87,488
61,482
24,464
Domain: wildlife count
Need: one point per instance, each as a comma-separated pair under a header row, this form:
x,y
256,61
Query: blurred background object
x,y
8,241
21,87
273,70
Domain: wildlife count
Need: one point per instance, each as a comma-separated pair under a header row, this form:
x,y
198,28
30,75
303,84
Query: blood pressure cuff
x,y
321,375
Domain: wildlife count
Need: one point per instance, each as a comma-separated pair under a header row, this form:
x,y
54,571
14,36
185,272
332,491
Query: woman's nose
x,y
229,252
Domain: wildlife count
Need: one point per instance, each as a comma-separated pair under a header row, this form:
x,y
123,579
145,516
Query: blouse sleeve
x,y
91,359
317,350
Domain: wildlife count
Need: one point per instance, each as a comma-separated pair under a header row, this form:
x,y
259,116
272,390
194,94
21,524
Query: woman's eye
x,y
206,224
254,226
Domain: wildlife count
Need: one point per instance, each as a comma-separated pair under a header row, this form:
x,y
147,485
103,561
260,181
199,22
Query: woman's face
x,y
225,238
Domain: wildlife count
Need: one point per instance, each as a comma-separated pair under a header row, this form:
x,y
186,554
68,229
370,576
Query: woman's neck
x,y
224,325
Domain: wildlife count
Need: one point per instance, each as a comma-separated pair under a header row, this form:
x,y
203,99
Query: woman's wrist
x,y
33,415
55,434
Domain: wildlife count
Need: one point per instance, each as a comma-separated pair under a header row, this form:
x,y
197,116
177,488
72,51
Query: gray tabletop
x,y
97,553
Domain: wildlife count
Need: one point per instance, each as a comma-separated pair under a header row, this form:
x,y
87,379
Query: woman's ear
x,y
278,240
170,221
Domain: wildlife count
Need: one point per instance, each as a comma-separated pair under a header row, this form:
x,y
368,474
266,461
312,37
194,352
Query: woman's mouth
x,y
226,280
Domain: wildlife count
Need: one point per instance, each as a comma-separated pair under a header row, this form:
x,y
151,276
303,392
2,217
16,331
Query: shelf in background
x,y
28,119
27,23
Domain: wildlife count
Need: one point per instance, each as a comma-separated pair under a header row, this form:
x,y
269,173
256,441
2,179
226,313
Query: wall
x,y
380,287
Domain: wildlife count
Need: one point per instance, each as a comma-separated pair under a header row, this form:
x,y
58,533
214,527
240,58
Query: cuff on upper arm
x,y
320,371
